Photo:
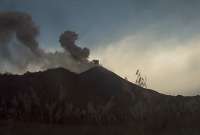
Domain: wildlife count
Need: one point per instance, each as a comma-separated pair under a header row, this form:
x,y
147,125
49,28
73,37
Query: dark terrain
x,y
97,101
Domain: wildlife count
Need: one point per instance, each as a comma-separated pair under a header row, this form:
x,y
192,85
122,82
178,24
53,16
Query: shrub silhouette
x,y
140,79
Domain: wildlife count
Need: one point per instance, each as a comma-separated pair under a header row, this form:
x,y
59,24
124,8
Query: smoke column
x,y
20,51
67,41
22,26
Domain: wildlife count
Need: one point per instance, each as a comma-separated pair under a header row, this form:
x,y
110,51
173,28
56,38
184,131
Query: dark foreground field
x,y
10,128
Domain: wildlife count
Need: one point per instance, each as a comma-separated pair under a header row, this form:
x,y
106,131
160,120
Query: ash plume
x,y
67,41
20,52
21,25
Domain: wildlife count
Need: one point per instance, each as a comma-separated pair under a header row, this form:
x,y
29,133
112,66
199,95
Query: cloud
x,y
171,66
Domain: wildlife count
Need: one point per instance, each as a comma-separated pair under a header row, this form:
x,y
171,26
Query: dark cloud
x,y
21,25
18,44
20,51
67,40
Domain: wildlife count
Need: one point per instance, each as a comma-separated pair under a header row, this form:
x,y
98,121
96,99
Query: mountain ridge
x,y
96,96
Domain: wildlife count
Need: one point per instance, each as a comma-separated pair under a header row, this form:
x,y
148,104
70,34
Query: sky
x,y
159,37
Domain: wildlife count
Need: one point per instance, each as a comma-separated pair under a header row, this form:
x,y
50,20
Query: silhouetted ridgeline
x,y
95,97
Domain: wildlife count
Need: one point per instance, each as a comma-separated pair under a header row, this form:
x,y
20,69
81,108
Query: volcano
x,y
95,97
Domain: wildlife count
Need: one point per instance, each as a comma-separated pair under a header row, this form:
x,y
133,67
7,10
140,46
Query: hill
x,y
95,97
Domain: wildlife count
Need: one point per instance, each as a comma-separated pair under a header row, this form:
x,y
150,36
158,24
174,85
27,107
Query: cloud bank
x,y
171,66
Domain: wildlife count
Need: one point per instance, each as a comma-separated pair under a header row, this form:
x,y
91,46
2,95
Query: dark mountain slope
x,y
44,83
106,83
97,96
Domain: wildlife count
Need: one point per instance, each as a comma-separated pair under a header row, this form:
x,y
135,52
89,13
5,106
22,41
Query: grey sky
x,y
107,20
144,25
